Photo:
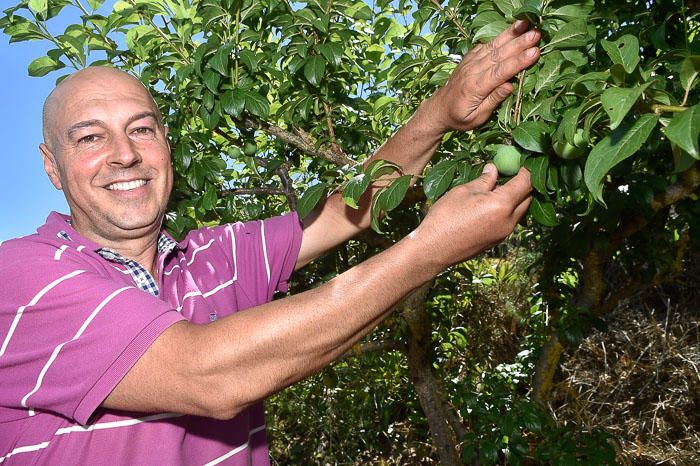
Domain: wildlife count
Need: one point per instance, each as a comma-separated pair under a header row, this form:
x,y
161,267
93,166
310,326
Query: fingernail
x,y
488,168
531,35
531,52
519,24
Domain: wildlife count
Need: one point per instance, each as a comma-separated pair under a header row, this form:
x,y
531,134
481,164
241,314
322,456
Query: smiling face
x,y
106,148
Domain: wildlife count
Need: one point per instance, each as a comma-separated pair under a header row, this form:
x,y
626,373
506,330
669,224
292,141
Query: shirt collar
x,y
59,225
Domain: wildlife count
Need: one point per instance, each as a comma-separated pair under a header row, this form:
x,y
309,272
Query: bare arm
x,y
477,86
243,358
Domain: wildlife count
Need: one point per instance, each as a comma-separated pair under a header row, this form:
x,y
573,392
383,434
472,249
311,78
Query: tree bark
x,y
428,389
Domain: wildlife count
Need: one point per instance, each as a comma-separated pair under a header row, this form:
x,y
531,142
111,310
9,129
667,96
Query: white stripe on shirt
x,y
57,350
238,449
233,251
194,253
201,248
116,424
192,294
267,263
25,449
59,251
33,301
120,424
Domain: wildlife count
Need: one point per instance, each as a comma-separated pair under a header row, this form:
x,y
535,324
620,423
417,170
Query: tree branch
x,y
253,191
374,347
301,141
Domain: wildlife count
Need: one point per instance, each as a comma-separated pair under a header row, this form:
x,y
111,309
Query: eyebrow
x,y
94,122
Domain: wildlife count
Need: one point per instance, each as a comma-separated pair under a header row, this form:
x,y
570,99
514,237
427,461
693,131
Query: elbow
x,y
216,403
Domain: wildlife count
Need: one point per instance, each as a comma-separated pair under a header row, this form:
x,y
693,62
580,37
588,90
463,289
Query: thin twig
x,y
451,16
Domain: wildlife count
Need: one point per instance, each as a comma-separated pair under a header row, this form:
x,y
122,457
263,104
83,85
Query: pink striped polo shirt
x,y
72,324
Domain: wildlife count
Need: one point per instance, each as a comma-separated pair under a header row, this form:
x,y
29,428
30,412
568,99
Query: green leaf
x,y
549,71
314,69
257,104
690,67
332,52
507,6
490,31
233,102
530,11
360,11
573,34
310,198
684,130
250,59
380,167
532,135
392,196
617,102
44,65
23,30
613,149
212,80
211,118
624,51
219,61
537,166
355,188
39,7
95,4
543,212
439,178
210,197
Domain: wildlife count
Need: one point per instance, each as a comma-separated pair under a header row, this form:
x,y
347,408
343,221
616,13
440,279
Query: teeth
x,y
126,186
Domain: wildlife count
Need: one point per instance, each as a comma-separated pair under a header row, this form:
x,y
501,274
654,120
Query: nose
x,y
124,153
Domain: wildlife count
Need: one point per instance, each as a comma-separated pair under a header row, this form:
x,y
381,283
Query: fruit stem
x,y
658,109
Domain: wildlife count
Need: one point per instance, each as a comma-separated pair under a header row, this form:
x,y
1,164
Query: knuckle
x,y
494,52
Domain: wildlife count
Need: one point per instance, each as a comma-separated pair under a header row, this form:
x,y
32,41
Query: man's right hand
x,y
471,218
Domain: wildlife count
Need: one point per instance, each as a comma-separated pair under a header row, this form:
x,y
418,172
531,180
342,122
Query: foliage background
x,y
273,104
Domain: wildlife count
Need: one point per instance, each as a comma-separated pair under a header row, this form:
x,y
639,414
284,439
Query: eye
x,y
143,131
89,139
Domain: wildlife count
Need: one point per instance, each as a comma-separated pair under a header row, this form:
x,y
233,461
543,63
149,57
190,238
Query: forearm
x,y
255,353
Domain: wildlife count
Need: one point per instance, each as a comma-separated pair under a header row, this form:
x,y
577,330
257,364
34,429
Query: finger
x,y
505,70
487,180
491,102
521,208
517,188
516,46
514,31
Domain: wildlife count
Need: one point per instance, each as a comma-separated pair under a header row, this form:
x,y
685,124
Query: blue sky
x,y
26,195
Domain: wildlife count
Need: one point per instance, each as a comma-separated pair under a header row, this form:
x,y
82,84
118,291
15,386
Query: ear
x,y
50,166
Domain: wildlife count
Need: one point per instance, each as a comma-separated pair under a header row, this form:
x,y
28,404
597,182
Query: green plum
x,y
250,148
568,151
507,160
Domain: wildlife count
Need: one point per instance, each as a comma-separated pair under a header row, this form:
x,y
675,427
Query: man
x,y
102,358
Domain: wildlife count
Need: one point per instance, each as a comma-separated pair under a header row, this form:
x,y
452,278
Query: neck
x,y
142,249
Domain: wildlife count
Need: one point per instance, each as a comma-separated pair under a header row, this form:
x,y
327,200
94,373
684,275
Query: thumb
x,y
488,178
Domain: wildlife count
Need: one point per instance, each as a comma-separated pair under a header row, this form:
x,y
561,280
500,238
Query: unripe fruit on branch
x,y
250,148
568,151
507,160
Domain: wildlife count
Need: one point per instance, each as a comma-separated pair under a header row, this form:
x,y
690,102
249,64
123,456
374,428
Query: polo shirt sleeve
x,y
69,333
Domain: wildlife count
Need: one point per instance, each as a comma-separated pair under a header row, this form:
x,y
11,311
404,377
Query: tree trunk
x,y
419,354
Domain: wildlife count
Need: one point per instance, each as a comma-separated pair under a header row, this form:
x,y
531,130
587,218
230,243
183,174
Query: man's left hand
x,y
481,80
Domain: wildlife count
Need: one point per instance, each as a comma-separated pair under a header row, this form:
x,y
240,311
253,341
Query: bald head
x,y
79,83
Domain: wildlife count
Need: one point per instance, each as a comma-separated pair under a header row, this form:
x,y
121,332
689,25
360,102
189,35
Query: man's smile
x,y
126,185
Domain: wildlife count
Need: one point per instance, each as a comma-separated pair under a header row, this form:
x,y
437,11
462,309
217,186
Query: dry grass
x,y
640,380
